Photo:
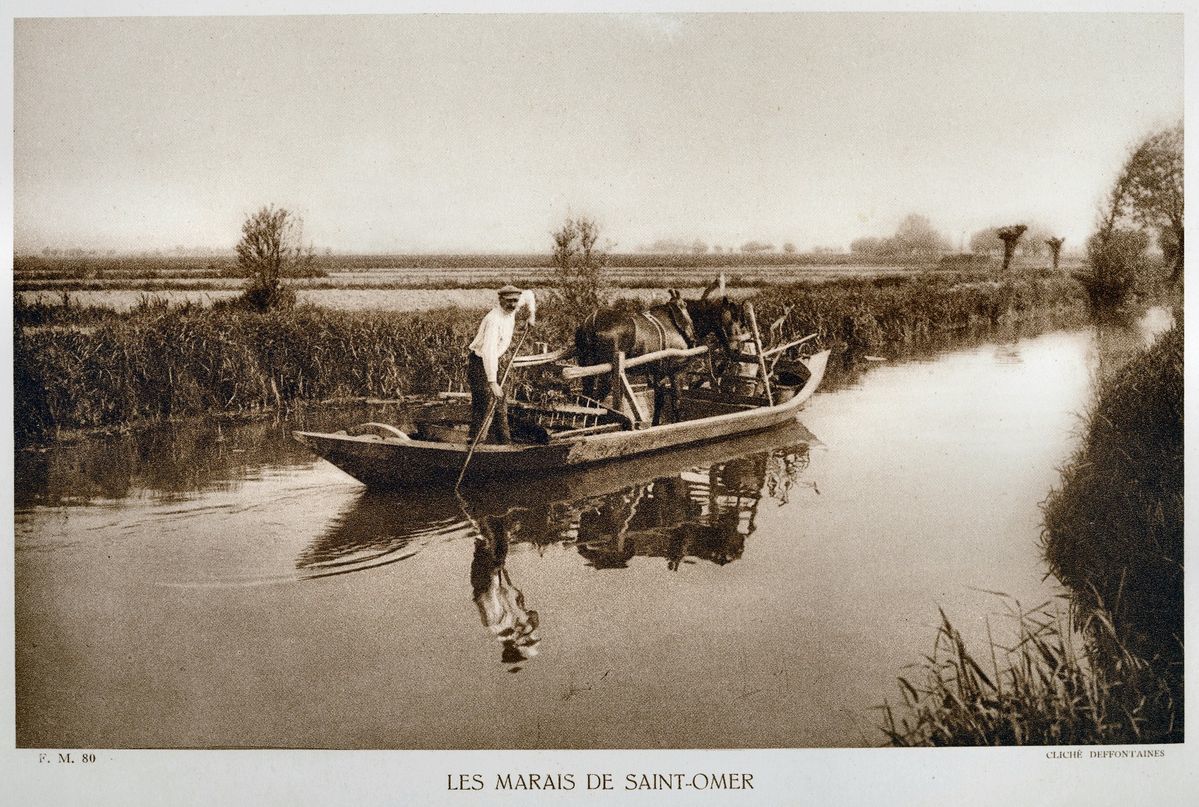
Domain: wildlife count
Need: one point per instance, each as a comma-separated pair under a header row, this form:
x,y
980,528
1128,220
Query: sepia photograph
x,y
682,405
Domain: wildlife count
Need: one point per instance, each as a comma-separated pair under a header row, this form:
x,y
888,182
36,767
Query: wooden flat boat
x,y
388,457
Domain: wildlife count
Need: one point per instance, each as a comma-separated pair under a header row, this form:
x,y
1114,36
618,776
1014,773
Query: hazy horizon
x,y
481,133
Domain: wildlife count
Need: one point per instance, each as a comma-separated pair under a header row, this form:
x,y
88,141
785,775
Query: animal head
x,y
732,321
681,317
719,317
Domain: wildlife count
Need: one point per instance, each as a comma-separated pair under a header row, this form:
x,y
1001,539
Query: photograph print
x,y
598,381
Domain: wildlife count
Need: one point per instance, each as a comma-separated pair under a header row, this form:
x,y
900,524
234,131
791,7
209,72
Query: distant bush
x,y
271,249
577,283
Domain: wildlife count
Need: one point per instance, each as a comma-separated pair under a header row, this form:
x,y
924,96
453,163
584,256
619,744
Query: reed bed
x,y
1052,686
160,362
857,316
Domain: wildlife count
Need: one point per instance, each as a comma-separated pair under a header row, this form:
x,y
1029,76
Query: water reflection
x,y
1008,353
1122,336
172,461
681,507
705,514
132,619
377,530
501,604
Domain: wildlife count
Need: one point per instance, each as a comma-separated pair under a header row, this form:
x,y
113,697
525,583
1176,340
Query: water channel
x,y
208,585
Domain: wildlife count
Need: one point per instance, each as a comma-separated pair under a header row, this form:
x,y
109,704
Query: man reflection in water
x,y
501,605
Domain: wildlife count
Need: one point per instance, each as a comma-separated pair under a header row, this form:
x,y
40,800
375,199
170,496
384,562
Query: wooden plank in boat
x,y
569,434
714,396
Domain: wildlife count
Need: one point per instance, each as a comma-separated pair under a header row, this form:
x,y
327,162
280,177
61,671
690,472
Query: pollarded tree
x,y
1031,244
1055,248
1010,236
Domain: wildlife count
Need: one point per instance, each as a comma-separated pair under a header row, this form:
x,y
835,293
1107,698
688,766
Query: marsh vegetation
x,y
1105,663
87,367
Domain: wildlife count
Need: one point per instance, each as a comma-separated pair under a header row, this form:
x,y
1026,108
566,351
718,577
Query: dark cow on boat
x,y
677,323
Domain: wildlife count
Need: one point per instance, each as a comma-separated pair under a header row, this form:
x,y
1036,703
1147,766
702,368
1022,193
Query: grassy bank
x,y
79,368
1113,535
1114,529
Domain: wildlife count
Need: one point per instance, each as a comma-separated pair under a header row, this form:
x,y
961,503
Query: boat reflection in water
x,y
688,506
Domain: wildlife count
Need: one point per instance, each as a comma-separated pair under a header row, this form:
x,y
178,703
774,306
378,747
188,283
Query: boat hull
x,y
396,463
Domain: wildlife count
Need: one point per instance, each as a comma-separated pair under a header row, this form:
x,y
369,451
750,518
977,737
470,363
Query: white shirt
x,y
493,338
495,333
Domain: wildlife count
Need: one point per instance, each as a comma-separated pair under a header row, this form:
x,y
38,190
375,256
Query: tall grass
x,y
885,313
159,362
156,364
1050,687
1114,528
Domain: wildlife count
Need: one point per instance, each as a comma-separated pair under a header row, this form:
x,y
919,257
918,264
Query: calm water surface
x,y
219,587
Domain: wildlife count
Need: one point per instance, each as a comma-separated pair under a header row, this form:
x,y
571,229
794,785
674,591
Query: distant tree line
x,y
914,240
672,246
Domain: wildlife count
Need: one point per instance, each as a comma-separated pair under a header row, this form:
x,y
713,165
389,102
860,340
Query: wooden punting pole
x,y
753,324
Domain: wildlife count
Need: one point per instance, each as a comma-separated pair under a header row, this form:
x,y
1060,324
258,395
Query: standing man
x,y
483,360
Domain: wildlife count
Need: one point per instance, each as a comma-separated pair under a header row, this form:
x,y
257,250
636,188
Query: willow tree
x,y
1146,197
1055,249
1153,191
1010,236
578,268
270,249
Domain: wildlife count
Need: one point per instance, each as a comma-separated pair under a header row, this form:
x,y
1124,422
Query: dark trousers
x,y
480,398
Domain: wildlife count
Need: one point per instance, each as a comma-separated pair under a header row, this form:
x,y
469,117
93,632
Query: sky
x,y
480,133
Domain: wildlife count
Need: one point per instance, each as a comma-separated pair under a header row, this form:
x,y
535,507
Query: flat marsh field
x,y
417,283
